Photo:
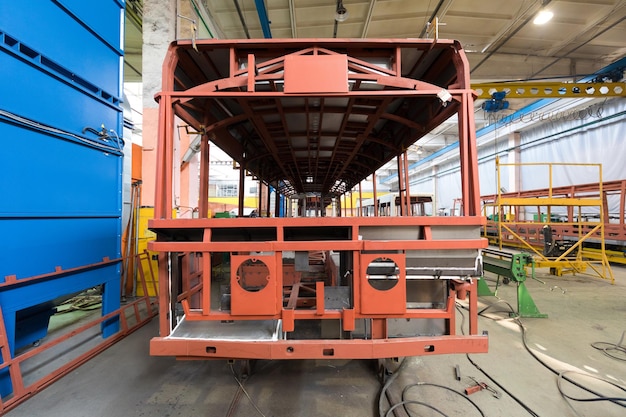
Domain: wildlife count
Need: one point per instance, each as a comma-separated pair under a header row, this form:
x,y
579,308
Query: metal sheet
x,y
245,330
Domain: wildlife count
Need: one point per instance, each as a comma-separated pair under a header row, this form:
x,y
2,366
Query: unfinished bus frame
x,y
315,118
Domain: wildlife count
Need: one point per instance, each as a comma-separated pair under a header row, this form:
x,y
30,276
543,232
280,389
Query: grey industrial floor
x,y
126,381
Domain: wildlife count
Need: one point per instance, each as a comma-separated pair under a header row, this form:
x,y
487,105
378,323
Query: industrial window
x,y
227,190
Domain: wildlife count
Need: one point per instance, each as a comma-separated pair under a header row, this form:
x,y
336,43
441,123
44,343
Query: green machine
x,y
511,267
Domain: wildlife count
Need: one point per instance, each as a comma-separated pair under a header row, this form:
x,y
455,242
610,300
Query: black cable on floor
x,y
244,391
606,347
511,309
561,378
405,402
509,393
385,387
417,384
601,397
554,371
481,370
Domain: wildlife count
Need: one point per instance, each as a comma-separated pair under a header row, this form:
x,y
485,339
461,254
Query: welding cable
x,y
538,359
386,386
422,384
511,309
612,399
404,403
618,401
245,392
605,347
509,393
481,370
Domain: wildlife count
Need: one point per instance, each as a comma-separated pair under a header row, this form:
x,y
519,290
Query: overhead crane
x,y
525,235
548,89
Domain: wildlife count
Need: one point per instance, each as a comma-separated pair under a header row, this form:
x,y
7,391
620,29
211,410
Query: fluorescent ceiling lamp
x,y
542,17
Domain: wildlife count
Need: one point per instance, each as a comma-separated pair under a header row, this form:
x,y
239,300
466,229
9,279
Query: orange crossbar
x,y
21,392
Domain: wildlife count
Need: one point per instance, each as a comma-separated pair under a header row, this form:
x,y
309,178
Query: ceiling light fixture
x,y
542,17
341,14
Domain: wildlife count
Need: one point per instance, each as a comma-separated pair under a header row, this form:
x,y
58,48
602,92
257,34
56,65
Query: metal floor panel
x,y
244,330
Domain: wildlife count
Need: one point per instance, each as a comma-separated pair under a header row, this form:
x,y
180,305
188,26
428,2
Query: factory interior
x,y
313,208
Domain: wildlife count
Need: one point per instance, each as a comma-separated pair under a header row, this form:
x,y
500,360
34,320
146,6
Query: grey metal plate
x,y
244,330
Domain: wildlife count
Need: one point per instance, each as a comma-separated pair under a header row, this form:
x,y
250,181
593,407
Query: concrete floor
x,y
126,381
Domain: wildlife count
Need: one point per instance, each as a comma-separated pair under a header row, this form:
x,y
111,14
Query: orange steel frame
x,y
132,316
281,299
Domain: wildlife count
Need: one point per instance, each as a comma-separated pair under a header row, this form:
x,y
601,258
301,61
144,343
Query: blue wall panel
x,y
61,185
78,180
35,93
38,245
46,27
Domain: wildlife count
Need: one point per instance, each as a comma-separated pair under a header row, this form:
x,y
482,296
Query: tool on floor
x,y
479,387
457,372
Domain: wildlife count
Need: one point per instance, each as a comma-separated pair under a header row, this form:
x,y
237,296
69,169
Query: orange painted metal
x,y
132,316
316,74
253,285
566,227
318,349
312,119
378,301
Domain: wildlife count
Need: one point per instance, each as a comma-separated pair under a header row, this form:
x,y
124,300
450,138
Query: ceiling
x,y
499,38
133,40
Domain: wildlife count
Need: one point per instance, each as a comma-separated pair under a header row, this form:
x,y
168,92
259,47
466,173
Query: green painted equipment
x,y
511,267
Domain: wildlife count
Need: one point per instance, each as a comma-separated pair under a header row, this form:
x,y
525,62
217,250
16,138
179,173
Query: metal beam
x,y
550,90
265,22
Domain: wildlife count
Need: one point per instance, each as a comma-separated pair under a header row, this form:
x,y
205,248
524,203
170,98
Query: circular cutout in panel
x,y
383,274
253,275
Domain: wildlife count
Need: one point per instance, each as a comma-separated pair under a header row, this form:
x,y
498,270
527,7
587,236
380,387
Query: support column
x,y
400,189
360,208
242,189
203,203
515,174
259,201
277,212
159,30
407,185
375,194
434,171
514,157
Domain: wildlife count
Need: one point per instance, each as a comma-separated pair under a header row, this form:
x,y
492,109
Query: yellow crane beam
x,y
550,90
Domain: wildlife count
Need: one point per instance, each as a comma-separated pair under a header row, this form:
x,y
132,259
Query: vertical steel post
x,y
203,204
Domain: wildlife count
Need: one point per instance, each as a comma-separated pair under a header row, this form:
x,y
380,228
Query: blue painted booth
x,y
60,160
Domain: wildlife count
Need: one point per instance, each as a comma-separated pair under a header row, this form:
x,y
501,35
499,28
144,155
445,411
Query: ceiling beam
x,y
265,22
292,17
510,31
368,19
